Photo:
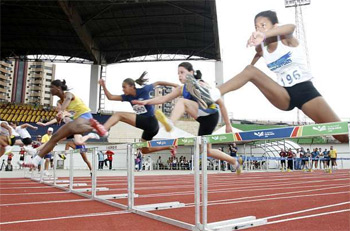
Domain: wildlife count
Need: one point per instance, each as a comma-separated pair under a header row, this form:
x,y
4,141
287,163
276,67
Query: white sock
x,y
36,160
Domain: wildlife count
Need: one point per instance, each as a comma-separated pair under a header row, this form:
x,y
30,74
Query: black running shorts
x,y
207,124
301,93
149,125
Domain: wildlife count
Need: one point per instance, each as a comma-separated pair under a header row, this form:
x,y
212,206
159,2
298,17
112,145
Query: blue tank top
x,y
141,94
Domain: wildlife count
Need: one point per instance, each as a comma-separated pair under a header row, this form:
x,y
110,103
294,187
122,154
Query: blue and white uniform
x,y
290,66
145,118
289,63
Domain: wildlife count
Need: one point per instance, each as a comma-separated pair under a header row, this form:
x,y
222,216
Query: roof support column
x,y
94,88
219,73
219,78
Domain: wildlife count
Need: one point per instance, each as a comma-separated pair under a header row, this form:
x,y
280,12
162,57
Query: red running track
x,y
290,201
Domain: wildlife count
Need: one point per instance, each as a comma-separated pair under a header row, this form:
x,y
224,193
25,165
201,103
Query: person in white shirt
x,y
7,139
21,130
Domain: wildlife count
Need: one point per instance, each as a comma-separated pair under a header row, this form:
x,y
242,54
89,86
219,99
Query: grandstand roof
x,y
109,31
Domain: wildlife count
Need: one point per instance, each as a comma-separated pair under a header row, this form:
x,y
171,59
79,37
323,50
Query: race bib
x,y
139,109
290,77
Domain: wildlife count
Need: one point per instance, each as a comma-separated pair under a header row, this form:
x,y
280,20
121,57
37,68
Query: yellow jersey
x,y
77,107
333,153
45,138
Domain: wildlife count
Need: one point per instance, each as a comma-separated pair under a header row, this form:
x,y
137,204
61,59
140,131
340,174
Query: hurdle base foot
x,y
236,224
166,205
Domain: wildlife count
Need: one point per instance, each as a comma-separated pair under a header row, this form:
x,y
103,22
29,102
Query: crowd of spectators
x,y
315,159
174,163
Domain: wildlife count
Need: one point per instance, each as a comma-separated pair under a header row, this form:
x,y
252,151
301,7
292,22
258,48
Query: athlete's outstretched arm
x,y
164,83
53,121
258,37
29,125
161,99
107,93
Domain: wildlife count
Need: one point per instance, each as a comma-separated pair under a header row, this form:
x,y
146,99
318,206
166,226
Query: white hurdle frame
x,y
200,224
143,210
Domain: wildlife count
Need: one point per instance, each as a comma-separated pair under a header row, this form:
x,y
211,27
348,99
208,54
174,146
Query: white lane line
x,y
65,217
36,193
234,190
45,202
284,193
307,210
211,203
308,216
11,188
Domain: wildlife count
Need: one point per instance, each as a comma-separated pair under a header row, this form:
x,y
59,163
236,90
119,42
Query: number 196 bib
x,y
289,77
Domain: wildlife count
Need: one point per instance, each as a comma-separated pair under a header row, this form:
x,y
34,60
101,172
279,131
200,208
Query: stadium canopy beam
x,y
83,33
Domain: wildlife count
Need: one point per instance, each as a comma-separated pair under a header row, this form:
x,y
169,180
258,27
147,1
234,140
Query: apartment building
x,y
39,77
6,80
26,82
166,107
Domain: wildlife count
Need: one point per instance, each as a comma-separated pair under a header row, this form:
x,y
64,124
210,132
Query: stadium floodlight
x,y
293,3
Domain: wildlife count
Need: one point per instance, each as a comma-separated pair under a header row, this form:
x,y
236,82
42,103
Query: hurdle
x,y
337,128
143,210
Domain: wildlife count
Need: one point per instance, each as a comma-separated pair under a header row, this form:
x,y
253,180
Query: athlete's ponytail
x,y
140,81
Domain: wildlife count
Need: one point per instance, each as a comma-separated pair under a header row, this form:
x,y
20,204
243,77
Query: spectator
x,y
139,160
185,163
159,163
297,159
326,158
233,152
321,158
174,163
283,155
9,158
22,152
315,156
307,161
109,154
333,155
48,156
169,162
223,163
290,156
302,158
100,160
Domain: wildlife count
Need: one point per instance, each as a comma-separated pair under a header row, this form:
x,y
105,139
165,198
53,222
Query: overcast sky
x,y
326,27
